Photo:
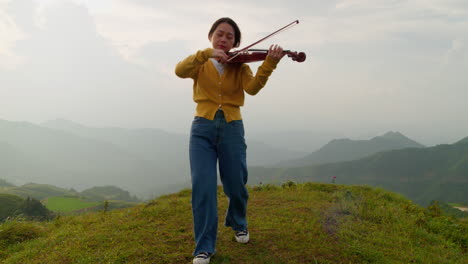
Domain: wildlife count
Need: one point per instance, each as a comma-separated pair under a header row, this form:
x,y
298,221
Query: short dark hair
x,y
237,33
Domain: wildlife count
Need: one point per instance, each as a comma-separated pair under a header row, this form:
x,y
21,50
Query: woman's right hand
x,y
220,55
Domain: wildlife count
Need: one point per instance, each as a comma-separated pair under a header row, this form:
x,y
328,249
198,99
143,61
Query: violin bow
x,y
295,22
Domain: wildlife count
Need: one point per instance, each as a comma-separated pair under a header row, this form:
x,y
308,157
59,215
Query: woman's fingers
x,y
220,55
276,51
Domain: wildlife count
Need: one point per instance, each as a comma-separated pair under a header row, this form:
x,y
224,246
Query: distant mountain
x,y
38,191
146,162
4,183
422,174
147,143
346,149
261,154
464,140
168,148
102,193
33,153
18,166
290,139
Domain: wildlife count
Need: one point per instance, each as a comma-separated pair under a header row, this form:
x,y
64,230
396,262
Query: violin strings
x,y
295,22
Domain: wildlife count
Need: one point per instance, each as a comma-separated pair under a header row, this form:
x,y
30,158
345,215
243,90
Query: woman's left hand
x,y
276,52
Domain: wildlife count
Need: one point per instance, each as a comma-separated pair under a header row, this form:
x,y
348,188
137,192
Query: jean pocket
x,y
199,119
237,123
237,127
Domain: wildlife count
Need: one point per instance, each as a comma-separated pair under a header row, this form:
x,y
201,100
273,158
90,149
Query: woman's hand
x,y
220,55
276,52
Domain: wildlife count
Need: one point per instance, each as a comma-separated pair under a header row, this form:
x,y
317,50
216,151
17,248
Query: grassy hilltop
x,y
306,223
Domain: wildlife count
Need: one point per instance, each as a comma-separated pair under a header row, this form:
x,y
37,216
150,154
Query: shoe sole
x,y
243,239
202,261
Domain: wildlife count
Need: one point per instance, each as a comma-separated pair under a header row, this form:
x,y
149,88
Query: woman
x,y
217,134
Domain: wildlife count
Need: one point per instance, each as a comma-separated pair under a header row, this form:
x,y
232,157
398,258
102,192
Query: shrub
x,y
34,210
288,184
17,232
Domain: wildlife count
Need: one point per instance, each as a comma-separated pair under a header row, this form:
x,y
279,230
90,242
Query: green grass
x,y
457,205
67,204
306,223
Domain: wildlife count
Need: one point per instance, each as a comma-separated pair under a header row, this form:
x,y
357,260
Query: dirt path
x,y
464,209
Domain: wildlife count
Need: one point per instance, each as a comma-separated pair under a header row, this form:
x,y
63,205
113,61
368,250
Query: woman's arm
x,y
252,84
188,68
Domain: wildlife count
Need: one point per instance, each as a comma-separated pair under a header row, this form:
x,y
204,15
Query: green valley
x,y
68,204
63,201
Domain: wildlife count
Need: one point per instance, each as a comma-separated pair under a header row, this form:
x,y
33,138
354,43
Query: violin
x,y
253,55
246,54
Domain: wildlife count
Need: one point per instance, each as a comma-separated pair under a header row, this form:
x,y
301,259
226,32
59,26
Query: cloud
x,y
130,25
9,35
111,61
70,71
139,23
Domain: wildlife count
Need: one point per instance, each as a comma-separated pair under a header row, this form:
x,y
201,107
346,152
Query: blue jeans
x,y
211,142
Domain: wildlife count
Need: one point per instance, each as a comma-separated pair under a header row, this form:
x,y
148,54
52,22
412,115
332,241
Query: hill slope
x,y
9,205
38,191
463,140
346,149
422,174
308,223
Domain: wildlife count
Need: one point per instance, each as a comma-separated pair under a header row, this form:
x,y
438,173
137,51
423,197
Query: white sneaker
x,y
242,236
202,258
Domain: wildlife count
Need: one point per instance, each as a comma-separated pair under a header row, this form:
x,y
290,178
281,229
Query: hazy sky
x,y
372,65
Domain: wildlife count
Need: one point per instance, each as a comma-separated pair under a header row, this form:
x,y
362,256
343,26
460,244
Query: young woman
x,y
217,134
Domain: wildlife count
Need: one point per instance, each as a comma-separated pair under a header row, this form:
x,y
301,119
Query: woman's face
x,y
223,37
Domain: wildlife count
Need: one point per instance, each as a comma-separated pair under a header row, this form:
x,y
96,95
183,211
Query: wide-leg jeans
x,y
215,142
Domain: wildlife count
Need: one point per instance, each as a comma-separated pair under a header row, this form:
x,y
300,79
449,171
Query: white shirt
x,y
218,66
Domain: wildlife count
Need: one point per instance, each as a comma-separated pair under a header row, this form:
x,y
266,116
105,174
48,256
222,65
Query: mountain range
x,y
346,149
147,162
33,153
165,146
151,162
422,174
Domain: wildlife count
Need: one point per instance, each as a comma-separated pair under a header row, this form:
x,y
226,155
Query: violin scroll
x,y
296,56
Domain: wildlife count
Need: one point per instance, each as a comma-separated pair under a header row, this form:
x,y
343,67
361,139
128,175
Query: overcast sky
x,y
372,65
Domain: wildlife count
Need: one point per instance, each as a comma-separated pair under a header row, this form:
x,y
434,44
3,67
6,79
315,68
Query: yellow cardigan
x,y
212,91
